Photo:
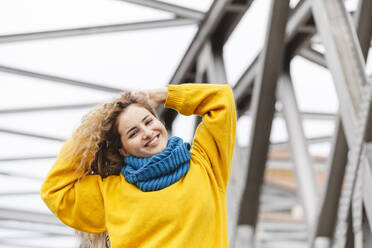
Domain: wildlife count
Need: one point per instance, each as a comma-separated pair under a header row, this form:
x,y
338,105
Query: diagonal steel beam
x,y
326,217
305,174
363,20
33,135
48,108
11,244
20,236
357,208
313,56
18,243
51,78
208,25
218,24
73,32
20,158
334,178
58,230
367,182
345,60
5,194
270,66
298,18
21,175
175,9
214,64
28,216
243,88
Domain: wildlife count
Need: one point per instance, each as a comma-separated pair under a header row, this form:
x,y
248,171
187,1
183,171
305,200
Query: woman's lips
x,y
153,142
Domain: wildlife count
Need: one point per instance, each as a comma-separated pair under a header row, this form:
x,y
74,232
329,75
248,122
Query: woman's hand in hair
x,y
154,97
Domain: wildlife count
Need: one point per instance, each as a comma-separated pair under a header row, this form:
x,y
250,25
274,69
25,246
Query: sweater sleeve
x,y
77,203
214,138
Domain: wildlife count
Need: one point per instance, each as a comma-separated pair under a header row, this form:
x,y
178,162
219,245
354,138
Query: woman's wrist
x,y
154,97
159,95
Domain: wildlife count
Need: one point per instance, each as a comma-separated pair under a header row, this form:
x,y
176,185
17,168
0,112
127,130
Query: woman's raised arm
x,y
214,139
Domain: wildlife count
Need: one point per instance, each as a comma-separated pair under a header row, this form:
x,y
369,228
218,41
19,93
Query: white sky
x,y
129,60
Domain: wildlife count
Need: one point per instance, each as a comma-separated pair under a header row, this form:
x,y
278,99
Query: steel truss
x,y
338,214
289,35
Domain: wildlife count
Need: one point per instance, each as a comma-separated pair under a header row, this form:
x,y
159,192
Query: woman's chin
x,y
158,149
151,151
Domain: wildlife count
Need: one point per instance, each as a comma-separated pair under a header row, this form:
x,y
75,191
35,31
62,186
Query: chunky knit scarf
x,y
162,169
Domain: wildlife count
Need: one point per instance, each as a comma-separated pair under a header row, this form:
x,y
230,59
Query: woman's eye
x,y
132,134
148,122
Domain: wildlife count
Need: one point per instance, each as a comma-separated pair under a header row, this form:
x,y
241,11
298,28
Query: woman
x,y
121,174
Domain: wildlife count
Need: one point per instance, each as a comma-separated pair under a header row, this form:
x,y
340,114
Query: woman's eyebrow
x,y
144,118
131,130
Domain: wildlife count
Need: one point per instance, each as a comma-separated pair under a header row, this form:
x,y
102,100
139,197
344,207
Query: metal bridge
x,y
279,194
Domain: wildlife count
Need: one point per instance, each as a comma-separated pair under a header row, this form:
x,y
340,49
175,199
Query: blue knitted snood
x,y
162,169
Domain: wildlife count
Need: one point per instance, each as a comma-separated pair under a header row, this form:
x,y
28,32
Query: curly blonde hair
x,y
96,142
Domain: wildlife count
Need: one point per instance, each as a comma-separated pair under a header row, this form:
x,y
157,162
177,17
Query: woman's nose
x,y
147,133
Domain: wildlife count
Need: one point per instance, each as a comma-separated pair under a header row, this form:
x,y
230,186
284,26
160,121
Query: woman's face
x,y
142,134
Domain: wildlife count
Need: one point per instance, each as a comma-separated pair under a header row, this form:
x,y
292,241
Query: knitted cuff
x,y
175,98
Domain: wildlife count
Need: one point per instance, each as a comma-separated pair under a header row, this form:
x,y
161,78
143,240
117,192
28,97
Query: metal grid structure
x,y
339,213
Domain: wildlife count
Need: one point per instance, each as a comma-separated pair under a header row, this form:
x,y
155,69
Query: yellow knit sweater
x,y
188,213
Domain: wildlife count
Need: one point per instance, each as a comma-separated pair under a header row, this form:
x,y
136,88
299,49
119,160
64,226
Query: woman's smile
x,y
153,141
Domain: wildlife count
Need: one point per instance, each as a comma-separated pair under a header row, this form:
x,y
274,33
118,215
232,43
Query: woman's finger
x,y
140,93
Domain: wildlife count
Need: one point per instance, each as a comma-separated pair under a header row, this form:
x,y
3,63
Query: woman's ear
x,y
123,152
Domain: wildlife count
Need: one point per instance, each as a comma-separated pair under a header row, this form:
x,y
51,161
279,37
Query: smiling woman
x,y
122,175
142,134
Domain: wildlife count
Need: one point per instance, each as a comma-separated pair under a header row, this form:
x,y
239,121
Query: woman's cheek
x,y
137,143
